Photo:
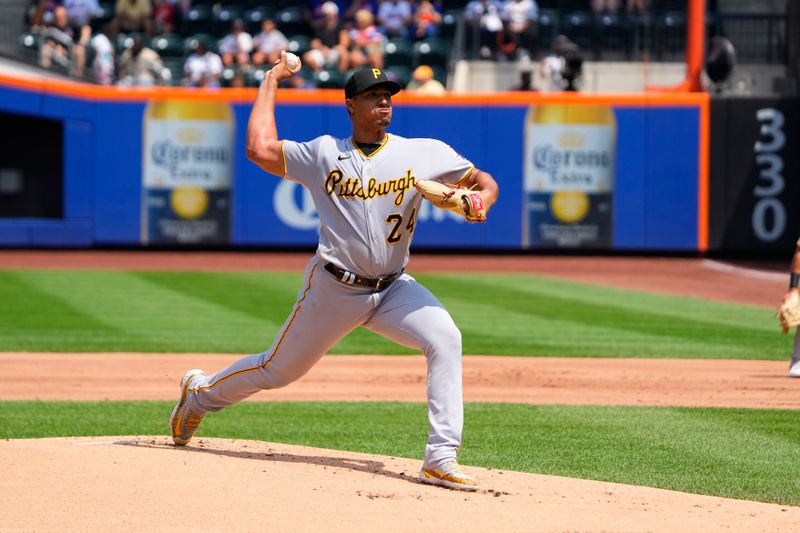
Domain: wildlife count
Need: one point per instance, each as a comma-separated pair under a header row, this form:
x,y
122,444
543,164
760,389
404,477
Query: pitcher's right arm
x,y
262,145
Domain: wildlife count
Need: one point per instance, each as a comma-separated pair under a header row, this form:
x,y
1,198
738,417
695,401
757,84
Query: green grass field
x,y
740,453
241,312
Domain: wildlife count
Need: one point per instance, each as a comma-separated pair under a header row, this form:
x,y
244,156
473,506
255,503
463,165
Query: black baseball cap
x,y
366,78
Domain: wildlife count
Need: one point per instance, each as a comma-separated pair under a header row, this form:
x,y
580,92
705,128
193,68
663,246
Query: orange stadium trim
x,y
702,177
86,91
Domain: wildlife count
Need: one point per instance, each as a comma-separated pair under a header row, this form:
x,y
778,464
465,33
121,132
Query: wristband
x,y
794,279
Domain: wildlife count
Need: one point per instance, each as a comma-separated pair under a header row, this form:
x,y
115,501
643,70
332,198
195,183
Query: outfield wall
x,y
621,172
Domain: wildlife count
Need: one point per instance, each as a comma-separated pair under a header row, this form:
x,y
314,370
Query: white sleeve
x,y
447,165
216,65
246,42
302,160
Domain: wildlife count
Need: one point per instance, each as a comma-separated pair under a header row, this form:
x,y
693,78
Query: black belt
x,y
376,284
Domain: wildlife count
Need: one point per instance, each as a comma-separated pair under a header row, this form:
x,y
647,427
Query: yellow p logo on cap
x,y
376,72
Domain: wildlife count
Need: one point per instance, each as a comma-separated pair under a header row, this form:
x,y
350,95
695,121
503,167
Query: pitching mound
x,y
146,484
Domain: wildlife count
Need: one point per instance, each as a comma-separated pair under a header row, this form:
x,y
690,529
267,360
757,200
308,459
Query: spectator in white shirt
x,y
103,62
485,24
80,14
235,48
140,66
520,25
202,68
268,44
394,17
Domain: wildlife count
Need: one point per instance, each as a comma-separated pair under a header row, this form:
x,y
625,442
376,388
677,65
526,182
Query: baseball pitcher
x,y
367,189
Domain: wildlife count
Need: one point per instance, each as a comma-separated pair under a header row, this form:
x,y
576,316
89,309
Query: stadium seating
x,y
670,33
299,44
398,51
28,43
254,17
330,78
211,42
174,66
579,27
547,28
432,52
291,20
401,73
449,22
197,20
612,33
168,45
224,17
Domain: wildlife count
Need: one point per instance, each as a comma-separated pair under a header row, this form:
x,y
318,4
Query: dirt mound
x,y
146,484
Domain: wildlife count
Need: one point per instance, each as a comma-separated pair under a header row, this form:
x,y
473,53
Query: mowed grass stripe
x,y
242,312
263,297
270,296
738,453
601,321
27,309
21,296
142,315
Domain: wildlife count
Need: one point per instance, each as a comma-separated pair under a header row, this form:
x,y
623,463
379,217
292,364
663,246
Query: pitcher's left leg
x,y
410,315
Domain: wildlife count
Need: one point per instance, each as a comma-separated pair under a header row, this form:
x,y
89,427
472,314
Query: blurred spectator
x,y
349,14
80,14
424,82
315,14
40,13
366,42
525,68
57,41
239,80
235,48
562,69
520,27
426,20
552,65
268,44
103,54
394,17
330,42
483,19
525,81
132,16
140,66
202,68
601,7
164,16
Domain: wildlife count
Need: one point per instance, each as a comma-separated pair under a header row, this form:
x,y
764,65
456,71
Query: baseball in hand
x,y
292,61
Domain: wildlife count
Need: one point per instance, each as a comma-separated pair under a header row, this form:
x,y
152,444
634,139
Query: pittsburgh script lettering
x,y
351,187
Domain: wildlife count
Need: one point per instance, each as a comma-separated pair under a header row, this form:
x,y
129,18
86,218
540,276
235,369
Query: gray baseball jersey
x,y
367,205
367,208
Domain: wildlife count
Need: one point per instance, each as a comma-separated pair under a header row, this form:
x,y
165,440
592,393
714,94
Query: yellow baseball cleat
x,y
448,475
183,423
